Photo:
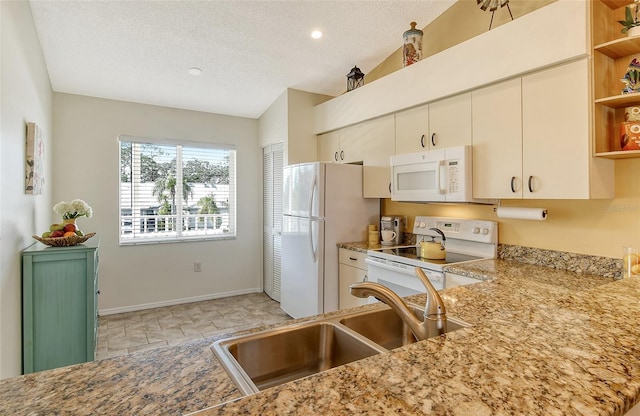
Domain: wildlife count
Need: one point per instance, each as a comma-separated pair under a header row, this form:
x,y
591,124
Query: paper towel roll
x,y
538,214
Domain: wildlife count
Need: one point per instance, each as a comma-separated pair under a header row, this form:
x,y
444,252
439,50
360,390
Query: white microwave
x,y
442,175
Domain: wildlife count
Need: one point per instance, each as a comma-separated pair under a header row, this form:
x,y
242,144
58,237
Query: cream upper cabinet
x,y
556,145
531,138
370,143
378,144
440,124
377,141
412,130
353,143
497,140
329,147
450,122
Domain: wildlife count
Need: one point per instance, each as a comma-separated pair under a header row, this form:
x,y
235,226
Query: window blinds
x,y
176,190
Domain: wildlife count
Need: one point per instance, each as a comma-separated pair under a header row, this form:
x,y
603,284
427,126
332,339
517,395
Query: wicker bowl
x,y
72,240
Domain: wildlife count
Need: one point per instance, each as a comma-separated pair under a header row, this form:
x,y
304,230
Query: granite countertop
x,y
542,342
360,246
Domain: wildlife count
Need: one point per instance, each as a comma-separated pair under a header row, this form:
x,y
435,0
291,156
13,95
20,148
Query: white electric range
x,y
466,240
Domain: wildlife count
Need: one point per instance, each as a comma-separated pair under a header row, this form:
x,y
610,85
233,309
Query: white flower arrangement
x,y
74,209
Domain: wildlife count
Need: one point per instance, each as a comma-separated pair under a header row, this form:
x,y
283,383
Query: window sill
x,y
147,241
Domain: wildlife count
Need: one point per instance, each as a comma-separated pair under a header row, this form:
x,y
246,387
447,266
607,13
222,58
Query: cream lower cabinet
x,y
545,152
351,269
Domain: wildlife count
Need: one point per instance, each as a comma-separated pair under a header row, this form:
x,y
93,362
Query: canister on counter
x,y
374,237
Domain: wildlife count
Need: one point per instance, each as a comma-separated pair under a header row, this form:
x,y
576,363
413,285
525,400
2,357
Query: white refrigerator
x,y
323,205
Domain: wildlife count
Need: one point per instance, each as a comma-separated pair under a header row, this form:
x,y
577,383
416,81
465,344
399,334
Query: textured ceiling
x,y
249,51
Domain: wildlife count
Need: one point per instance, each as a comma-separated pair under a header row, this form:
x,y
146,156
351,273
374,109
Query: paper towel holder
x,y
544,212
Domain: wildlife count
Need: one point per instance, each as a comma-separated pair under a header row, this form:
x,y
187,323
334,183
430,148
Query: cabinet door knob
x,y
336,156
342,155
98,292
353,258
513,182
389,187
365,278
433,139
422,141
530,183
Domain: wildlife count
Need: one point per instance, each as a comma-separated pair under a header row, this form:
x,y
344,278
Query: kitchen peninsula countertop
x,y
542,342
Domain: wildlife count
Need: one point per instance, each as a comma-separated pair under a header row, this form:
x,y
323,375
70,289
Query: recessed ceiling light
x,y
195,71
316,34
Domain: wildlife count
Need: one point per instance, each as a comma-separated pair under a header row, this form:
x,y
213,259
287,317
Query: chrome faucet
x,y
434,322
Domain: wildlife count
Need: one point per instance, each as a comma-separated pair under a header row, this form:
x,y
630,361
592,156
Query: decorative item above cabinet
x,y
355,79
412,48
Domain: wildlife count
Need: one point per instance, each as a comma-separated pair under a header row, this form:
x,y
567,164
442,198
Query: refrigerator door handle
x,y
314,188
314,251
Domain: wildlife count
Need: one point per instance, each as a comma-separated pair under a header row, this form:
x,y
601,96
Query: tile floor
x,y
152,328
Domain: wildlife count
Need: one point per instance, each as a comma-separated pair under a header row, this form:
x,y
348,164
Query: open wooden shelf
x,y
619,48
612,53
620,154
620,101
616,4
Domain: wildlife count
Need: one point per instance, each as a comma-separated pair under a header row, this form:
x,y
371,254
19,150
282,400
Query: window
x,y
176,191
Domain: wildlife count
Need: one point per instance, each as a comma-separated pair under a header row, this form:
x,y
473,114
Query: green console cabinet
x,y
59,305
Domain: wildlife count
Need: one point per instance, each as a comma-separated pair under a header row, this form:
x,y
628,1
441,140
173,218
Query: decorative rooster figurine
x,y
632,78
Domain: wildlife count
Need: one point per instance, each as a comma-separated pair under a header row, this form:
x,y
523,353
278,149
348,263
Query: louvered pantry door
x,y
272,165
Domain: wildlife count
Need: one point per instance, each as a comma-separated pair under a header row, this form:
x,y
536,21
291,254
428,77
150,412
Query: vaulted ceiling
x,y
249,51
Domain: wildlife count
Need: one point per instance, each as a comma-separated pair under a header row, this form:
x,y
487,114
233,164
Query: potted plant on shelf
x,y
631,25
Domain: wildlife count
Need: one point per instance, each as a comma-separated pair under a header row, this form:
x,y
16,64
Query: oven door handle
x,y
435,277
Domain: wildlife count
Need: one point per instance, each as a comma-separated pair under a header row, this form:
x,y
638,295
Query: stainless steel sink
x,y
385,327
269,358
262,360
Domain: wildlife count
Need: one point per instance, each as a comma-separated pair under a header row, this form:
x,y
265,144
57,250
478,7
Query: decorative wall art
x,y
34,168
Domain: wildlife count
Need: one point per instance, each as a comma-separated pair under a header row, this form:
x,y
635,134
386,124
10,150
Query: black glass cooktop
x,y
413,253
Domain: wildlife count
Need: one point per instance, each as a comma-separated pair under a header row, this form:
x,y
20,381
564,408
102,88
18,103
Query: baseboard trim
x,y
172,302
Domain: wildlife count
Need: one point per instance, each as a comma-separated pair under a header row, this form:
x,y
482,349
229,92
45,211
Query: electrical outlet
x,y
197,266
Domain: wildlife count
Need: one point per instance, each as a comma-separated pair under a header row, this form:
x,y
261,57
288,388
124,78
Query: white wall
x,y
86,167
25,93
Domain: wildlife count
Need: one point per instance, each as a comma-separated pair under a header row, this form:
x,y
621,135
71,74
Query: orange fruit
x,y
69,234
631,259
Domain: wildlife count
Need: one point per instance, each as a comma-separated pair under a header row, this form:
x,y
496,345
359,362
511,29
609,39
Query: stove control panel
x,y
457,228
